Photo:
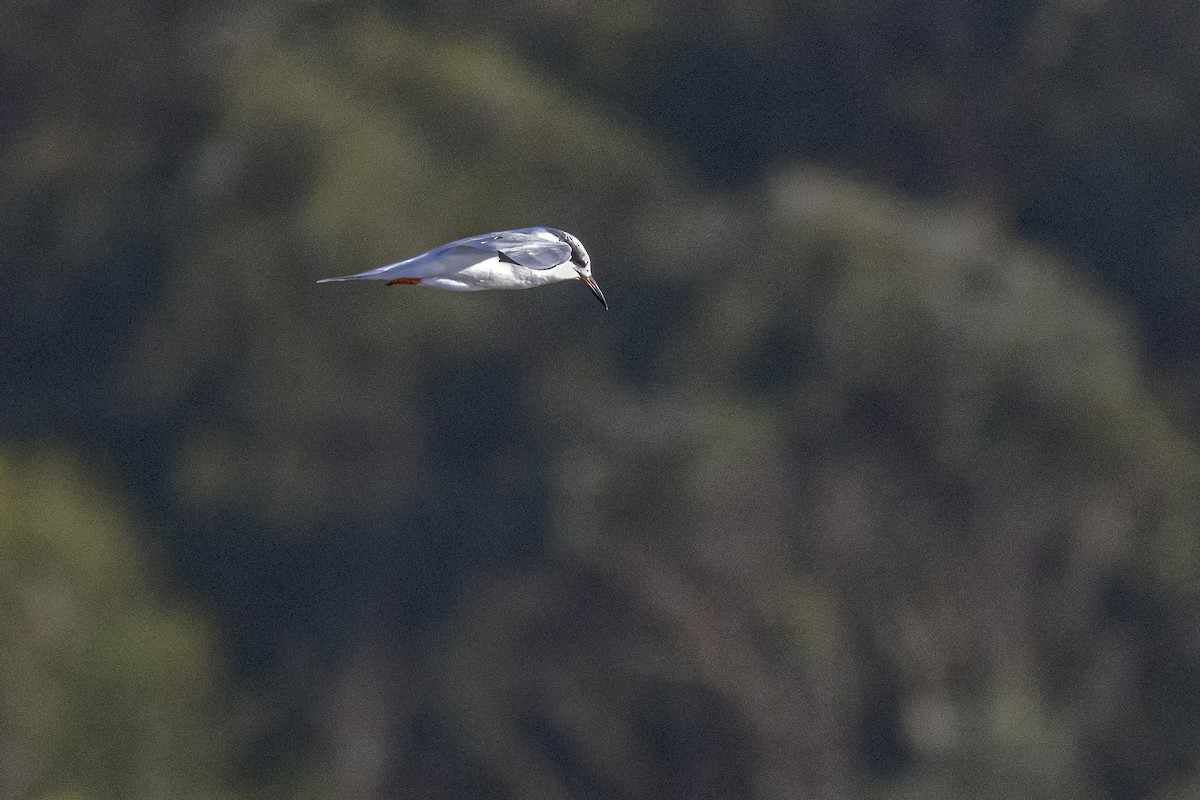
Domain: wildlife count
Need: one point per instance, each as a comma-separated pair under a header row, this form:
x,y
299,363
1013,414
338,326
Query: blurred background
x,y
879,480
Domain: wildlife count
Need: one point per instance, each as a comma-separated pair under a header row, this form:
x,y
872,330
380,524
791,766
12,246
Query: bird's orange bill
x,y
404,281
591,282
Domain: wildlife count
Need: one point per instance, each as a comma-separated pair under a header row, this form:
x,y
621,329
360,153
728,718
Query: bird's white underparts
x,y
521,258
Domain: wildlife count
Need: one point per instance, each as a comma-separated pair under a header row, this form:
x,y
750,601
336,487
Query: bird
x,y
520,258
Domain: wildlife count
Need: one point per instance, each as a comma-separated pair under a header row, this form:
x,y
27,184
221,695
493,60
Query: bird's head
x,y
583,267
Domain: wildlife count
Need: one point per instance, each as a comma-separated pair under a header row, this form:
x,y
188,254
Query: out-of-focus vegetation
x,y
105,690
879,480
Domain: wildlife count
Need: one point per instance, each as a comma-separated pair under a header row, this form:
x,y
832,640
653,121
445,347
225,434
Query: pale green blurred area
x,y
105,688
858,491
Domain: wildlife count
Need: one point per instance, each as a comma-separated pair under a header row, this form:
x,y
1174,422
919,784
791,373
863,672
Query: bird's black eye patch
x,y
577,255
505,257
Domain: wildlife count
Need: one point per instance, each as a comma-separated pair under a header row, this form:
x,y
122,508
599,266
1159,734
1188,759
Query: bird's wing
x,y
535,248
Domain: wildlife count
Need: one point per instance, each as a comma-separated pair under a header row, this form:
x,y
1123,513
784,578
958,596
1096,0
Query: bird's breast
x,y
497,274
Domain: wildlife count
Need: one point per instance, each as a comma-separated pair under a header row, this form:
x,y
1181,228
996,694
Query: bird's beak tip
x,y
591,282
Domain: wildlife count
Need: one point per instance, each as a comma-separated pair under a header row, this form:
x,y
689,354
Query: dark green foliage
x,y
852,494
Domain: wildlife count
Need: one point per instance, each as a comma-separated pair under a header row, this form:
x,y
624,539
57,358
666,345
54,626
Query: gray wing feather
x,y
535,248
540,255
